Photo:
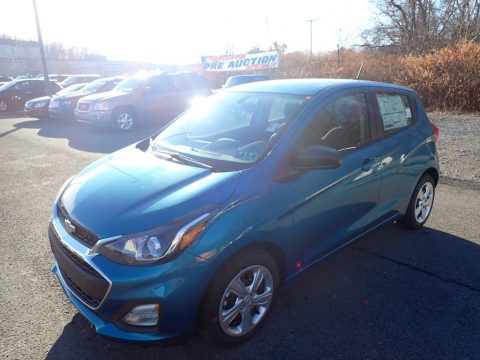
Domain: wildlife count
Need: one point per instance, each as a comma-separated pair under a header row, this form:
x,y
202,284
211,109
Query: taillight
x,y
436,132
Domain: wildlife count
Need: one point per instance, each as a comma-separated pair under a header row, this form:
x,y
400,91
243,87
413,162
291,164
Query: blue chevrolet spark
x,y
199,225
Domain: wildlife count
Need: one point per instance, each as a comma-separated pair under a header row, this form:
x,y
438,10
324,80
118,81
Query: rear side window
x,y
158,84
342,124
395,111
188,82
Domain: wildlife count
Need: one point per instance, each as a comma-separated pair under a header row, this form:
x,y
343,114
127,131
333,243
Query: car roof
x,y
309,87
32,79
110,78
70,75
248,76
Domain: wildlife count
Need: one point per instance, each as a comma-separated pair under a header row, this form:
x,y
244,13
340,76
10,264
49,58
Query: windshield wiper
x,y
169,155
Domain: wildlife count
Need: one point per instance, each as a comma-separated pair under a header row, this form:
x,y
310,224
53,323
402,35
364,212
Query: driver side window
x,y
157,84
342,124
22,86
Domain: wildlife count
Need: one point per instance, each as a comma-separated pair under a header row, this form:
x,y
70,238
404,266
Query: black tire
x,y
217,299
124,119
411,220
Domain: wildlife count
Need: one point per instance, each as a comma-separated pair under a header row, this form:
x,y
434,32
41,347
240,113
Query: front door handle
x,y
369,163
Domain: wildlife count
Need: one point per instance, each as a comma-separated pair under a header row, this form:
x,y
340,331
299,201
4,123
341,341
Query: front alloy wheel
x,y
124,120
240,297
246,300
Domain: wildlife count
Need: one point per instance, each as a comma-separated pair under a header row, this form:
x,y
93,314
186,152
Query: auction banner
x,y
263,60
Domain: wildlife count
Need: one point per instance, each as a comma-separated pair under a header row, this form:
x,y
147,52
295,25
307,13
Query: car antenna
x,y
360,71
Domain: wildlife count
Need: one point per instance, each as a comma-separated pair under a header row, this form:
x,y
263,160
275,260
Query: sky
x,y
180,32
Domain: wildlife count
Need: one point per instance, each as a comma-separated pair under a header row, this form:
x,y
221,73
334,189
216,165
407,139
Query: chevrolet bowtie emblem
x,y
69,226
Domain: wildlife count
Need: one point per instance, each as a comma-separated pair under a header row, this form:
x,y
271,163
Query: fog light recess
x,y
143,315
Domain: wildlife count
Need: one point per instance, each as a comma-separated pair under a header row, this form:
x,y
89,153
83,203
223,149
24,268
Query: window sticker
x,y
408,112
393,111
245,155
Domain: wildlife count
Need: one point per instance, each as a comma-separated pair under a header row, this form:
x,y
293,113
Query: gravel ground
x,y
459,146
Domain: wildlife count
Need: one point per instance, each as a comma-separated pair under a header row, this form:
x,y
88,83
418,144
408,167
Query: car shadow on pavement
x,y
12,115
89,138
394,294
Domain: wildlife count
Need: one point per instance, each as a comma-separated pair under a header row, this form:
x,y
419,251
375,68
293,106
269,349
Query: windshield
x,y
70,80
70,89
129,85
94,86
8,85
239,80
233,130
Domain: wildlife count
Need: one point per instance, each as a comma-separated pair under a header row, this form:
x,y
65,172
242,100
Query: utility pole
x,y
42,50
338,46
311,34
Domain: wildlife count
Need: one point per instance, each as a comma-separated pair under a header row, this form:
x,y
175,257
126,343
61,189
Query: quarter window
x,y
342,124
395,111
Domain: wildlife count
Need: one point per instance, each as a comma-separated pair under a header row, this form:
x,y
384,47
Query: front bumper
x,y
177,286
36,112
94,117
60,112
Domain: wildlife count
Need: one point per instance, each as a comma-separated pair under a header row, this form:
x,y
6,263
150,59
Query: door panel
x,y
154,97
335,205
400,166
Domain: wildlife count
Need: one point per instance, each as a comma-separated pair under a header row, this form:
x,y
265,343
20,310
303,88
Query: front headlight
x,y
101,106
40,104
158,245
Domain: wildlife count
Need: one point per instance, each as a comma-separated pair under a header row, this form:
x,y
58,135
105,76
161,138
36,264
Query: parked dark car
x,y
80,78
62,106
159,96
244,79
199,225
54,77
38,108
14,94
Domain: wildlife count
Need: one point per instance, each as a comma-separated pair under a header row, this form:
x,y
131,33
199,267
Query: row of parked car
x,y
119,101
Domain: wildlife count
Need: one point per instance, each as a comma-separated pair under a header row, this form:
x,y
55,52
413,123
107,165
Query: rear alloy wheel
x,y
421,204
3,106
240,298
124,120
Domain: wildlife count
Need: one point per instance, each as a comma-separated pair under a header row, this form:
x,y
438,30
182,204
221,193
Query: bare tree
x,y
418,26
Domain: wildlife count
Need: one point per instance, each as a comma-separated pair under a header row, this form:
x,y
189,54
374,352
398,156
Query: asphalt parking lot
x,y
393,295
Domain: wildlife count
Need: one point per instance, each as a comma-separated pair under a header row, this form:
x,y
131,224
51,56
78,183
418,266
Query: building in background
x,y
20,57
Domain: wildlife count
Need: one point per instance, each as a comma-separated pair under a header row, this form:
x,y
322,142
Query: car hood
x,y
105,96
43,98
133,191
72,95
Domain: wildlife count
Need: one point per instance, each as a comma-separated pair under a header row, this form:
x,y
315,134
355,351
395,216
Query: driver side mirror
x,y
316,157
310,158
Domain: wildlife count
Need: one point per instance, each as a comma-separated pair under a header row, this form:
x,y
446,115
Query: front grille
x,y
92,301
91,292
83,235
83,106
79,261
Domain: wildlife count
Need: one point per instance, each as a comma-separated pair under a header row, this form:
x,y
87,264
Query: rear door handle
x,y
369,163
